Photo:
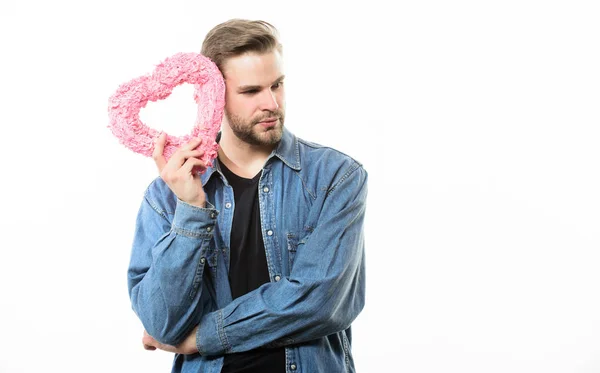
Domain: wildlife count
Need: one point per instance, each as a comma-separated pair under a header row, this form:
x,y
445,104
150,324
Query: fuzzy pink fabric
x,y
125,104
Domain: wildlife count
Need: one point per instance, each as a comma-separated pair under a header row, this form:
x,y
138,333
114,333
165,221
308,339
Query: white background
x,y
477,121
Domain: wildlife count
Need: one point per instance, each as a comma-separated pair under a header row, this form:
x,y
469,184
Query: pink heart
x,y
125,104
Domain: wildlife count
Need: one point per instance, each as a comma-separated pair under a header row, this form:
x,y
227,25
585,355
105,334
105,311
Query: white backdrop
x,y
477,121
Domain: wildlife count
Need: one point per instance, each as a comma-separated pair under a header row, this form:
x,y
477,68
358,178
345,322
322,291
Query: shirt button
x,y
209,229
213,215
266,189
293,367
202,260
269,232
228,205
277,278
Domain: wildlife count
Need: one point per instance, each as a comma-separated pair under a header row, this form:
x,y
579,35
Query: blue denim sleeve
x,y
324,292
166,269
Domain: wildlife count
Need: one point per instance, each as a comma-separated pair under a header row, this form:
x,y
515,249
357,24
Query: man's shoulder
x,y
326,166
317,152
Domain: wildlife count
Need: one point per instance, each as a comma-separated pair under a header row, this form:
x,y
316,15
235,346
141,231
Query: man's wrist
x,y
201,203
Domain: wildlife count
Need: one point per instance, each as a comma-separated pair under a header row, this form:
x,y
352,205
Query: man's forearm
x,y
166,272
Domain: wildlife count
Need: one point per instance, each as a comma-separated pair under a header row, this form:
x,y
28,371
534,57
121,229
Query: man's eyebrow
x,y
257,87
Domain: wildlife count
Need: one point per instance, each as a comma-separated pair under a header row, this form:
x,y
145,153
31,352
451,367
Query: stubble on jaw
x,y
245,131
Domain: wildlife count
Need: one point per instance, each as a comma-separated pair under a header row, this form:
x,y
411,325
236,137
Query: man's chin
x,y
271,136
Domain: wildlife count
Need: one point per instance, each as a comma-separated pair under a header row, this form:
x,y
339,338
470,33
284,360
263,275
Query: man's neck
x,y
241,158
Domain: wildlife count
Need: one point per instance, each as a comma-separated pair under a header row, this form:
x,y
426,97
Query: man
x,y
256,265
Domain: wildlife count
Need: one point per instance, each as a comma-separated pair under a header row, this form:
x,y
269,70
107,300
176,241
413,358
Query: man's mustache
x,y
274,114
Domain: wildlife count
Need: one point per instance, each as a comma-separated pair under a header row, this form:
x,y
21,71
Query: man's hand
x,y
177,172
187,347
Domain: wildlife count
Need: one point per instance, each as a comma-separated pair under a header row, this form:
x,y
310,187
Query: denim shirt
x,y
312,208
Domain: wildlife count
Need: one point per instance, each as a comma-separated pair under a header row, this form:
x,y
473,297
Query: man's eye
x,y
250,92
277,85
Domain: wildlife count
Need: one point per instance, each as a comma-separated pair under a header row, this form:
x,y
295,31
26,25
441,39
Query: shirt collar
x,y
288,150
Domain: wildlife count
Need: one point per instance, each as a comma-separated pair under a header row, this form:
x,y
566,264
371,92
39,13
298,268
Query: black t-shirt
x,y
248,271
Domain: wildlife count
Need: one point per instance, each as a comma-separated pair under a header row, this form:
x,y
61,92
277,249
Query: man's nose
x,y
269,101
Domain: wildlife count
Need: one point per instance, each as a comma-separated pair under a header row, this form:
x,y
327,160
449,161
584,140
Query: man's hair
x,y
238,36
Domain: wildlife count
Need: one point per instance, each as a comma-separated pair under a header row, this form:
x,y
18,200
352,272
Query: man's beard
x,y
244,130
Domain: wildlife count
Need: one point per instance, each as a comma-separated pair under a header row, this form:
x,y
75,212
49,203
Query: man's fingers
x,y
148,342
182,155
173,168
184,152
157,154
152,344
190,163
179,157
192,144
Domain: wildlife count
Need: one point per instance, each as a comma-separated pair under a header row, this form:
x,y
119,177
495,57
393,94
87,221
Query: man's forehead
x,y
252,68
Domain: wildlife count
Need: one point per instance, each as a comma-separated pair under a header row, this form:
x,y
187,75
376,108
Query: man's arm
x,y
324,292
166,270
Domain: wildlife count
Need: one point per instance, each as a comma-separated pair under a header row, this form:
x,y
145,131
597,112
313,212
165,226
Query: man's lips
x,y
269,120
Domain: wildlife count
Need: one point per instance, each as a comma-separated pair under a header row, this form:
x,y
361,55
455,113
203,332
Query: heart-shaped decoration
x,y
125,104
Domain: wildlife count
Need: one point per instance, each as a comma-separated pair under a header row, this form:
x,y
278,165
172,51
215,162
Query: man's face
x,y
255,98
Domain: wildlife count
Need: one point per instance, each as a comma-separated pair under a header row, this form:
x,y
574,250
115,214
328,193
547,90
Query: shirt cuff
x,y
194,221
210,337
